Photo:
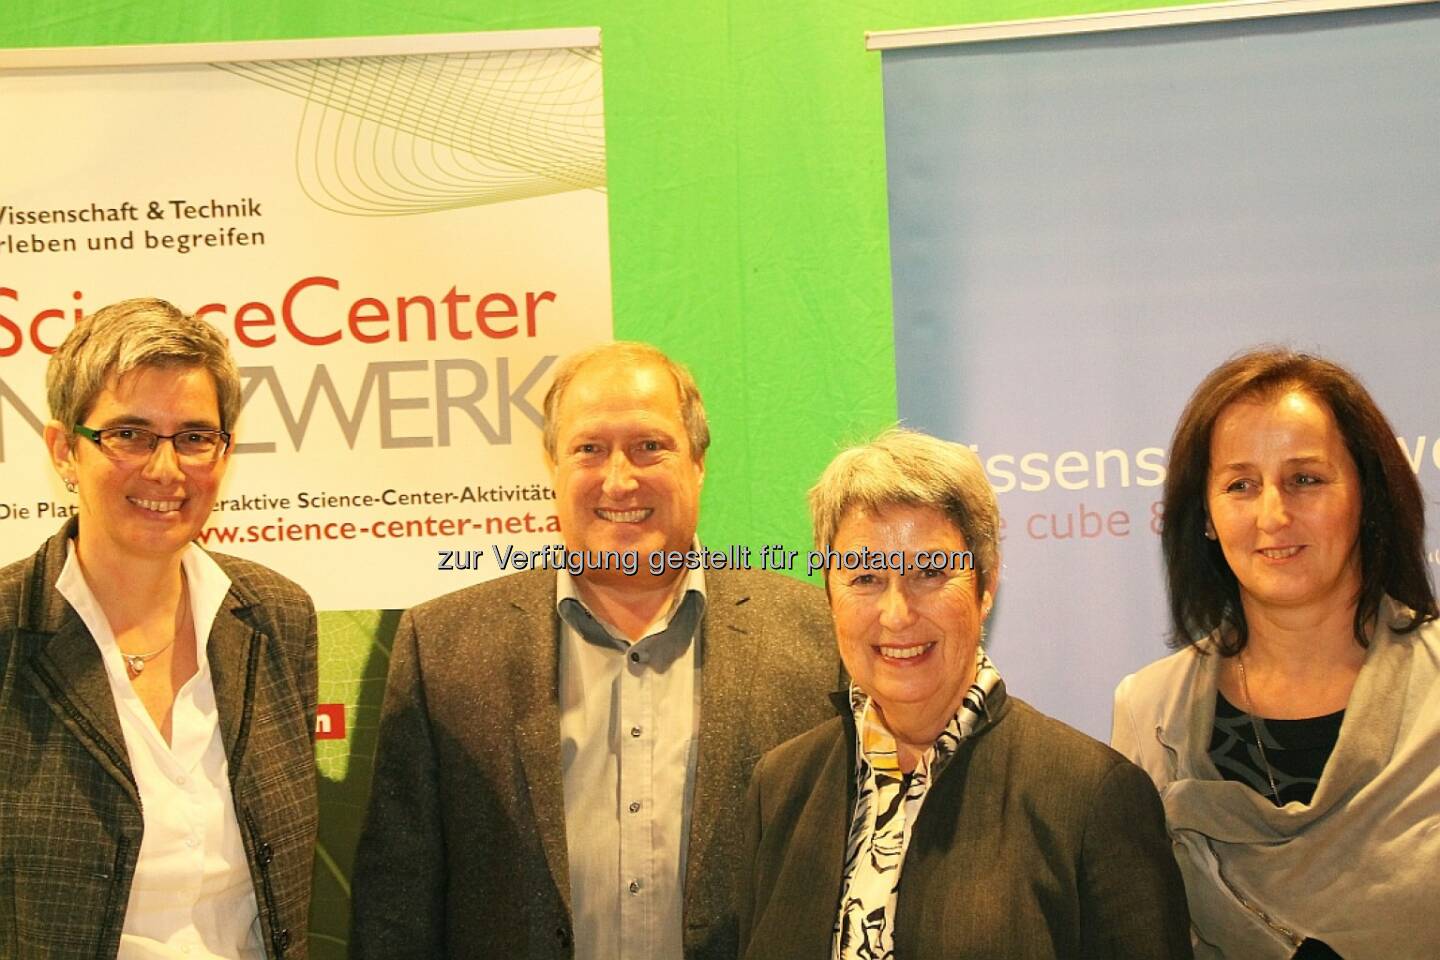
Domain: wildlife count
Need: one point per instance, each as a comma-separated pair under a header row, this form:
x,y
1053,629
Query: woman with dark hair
x,y
1295,738
157,776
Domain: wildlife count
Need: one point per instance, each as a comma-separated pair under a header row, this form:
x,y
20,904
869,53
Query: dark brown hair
x,y
1204,594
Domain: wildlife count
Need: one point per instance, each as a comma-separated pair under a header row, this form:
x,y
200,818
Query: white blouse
x,y
191,897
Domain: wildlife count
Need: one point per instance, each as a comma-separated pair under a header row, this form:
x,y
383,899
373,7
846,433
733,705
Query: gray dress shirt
x,y
629,729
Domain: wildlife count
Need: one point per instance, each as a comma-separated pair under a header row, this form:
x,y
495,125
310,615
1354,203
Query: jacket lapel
x,y
726,656
70,673
232,651
534,665
822,834
66,667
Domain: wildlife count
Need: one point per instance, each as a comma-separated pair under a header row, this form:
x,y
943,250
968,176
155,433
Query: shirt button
x,y
634,887
192,842
635,806
180,782
634,731
634,658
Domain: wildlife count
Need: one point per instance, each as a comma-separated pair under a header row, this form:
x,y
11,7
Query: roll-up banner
x,y
398,235
1087,218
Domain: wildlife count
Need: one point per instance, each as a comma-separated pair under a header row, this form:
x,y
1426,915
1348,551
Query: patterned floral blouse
x,y
887,802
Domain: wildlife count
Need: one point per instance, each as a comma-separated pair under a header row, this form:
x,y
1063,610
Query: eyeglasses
x,y
137,443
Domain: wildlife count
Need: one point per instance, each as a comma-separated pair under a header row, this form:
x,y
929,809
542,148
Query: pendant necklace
x,y
1259,740
136,661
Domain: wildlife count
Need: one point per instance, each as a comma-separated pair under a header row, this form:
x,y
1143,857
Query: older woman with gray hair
x,y
157,777
938,816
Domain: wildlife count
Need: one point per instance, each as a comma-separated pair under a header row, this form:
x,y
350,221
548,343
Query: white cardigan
x,y
1359,867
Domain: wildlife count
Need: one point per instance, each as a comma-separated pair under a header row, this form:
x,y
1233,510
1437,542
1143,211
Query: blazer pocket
x,y
59,909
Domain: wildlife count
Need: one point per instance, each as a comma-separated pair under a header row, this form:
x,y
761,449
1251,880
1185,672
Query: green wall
x,y
747,195
748,238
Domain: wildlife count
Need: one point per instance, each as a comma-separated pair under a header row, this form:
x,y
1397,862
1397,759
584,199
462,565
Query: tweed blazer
x,y
463,852
70,821
1034,843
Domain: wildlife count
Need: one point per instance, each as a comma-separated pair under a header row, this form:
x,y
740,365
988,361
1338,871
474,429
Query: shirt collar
x,y
207,583
683,616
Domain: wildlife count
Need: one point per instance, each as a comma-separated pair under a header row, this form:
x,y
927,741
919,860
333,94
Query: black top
x,y
1296,750
1313,949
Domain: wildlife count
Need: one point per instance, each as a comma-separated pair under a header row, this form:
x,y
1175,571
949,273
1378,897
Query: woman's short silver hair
x,y
905,468
125,336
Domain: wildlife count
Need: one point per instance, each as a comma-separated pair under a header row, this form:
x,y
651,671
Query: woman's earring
x,y
69,485
1209,530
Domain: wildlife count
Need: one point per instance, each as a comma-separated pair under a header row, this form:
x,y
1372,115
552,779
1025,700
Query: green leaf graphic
x,y
354,657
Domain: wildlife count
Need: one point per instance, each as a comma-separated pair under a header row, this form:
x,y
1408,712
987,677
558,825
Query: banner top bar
x,y
1117,20
162,54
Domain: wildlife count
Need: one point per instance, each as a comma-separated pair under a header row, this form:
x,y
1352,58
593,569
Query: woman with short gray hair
x,y
157,778
938,816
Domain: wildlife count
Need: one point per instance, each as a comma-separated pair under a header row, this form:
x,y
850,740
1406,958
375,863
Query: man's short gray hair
x,y
125,336
905,468
692,409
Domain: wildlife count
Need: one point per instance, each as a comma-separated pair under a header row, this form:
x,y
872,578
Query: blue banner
x,y
1083,226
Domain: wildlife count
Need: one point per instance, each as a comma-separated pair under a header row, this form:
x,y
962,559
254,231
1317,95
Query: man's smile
x,y
624,516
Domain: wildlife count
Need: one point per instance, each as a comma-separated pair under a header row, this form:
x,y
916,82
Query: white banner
x,y
398,247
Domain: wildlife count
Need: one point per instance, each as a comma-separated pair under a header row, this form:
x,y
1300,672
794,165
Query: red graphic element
x,y
330,721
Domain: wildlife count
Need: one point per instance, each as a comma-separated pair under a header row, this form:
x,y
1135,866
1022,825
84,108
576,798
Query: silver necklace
x,y
136,661
1259,740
